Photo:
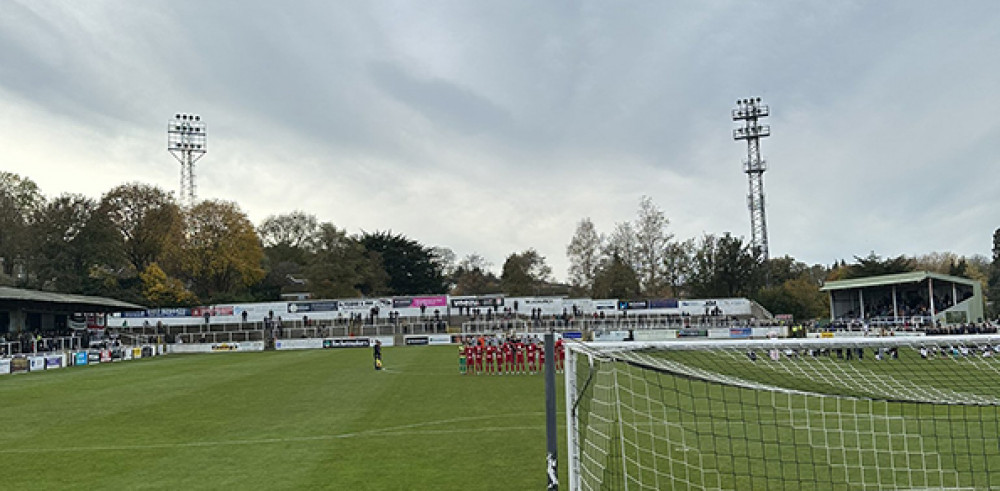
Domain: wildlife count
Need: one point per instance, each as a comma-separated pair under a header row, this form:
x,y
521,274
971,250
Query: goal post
x,y
838,413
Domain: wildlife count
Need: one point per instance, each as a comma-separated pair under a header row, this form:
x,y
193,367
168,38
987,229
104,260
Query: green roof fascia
x,y
9,294
892,279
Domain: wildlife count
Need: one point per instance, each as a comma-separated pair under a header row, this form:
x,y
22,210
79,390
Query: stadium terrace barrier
x,y
10,349
609,323
862,334
736,332
256,331
220,337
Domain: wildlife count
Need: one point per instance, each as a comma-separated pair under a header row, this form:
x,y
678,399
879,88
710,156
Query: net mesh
x,y
915,413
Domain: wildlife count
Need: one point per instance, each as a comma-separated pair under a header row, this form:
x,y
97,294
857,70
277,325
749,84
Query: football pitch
x,y
314,419
324,419
706,421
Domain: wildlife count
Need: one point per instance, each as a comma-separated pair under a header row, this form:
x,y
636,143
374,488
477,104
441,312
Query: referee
x,y
377,353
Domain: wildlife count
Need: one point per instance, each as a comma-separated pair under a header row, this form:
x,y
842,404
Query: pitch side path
x,y
316,419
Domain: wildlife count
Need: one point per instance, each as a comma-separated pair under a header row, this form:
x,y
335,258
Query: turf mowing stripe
x,y
393,430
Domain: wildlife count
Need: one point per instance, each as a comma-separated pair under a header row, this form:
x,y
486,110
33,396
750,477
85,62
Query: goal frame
x,y
609,350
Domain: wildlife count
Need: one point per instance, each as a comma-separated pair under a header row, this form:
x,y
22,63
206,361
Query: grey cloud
x,y
443,103
883,114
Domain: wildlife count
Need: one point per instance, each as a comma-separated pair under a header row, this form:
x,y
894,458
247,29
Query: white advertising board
x,y
311,343
216,347
436,339
654,334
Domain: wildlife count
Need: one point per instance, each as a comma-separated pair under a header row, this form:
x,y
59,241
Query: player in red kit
x,y
498,354
491,358
532,349
508,355
470,358
519,357
477,351
560,355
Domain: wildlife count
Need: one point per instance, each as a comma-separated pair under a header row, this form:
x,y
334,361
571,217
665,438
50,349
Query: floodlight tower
x,y
186,142
749,111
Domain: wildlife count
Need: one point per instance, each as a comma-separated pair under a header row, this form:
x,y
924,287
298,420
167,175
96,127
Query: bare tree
x,y
651,240
622,243
584,253
293,230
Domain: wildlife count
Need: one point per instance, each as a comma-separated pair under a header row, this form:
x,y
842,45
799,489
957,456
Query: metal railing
x,y
29,346
609,324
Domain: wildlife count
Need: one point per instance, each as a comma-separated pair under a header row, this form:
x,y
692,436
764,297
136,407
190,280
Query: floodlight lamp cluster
x,y
186,133
749,109
759,130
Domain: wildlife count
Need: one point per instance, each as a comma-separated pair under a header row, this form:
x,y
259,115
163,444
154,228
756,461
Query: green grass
x,y
316,419
324,419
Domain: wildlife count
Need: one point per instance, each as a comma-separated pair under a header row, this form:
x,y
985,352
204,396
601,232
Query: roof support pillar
x,y
895,308
930,295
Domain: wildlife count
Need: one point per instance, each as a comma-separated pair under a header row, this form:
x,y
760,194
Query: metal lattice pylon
x,y
749,111
186,141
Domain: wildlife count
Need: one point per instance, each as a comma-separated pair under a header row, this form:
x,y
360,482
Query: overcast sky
x,y
494,127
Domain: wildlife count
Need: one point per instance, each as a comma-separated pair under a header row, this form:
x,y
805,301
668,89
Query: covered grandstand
x,y
31,320
918,298
32,310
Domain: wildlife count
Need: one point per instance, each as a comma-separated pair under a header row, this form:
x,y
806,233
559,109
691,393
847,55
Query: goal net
x,y
827,414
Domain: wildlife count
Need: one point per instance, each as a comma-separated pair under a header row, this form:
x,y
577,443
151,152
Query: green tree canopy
x,y
615,278
20,200
147,220
725,267
342,267
874,265
70,238
472,276
524,273
412,267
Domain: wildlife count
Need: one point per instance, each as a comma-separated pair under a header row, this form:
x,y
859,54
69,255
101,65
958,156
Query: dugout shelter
x,y
28,310
914,298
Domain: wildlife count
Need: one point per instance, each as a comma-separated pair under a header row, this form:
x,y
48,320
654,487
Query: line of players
x,y
494,356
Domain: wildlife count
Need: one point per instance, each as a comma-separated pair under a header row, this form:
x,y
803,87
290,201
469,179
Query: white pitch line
x,y
392,430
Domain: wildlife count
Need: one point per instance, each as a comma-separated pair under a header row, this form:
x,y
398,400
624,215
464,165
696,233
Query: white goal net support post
x,y
838,414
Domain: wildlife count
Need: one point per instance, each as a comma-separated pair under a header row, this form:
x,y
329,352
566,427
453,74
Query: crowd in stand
x,y
906,306
841,353
924,325
959,329
39,341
